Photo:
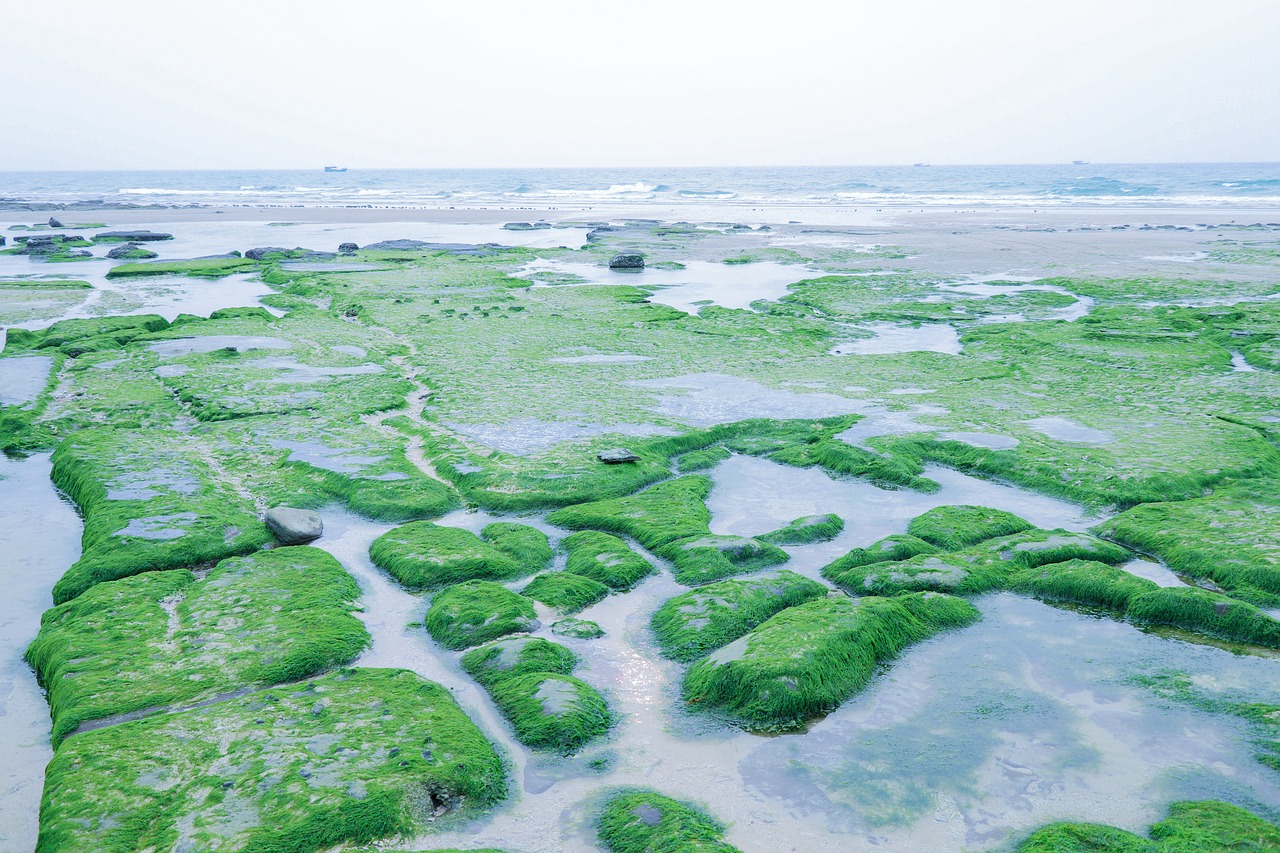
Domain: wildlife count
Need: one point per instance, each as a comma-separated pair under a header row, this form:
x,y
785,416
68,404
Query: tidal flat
x,y
830,529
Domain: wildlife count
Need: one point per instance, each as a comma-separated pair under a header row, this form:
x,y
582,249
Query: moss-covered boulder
x,y
696,622
806,660
165,638
606,559
806,530
710,557
940,572
1082,582
471,613
423,555
654,517
1206,612
552,712
354,756
565,591
954,527
1038,547
577,629
898,546
638,821
513,656
1205,826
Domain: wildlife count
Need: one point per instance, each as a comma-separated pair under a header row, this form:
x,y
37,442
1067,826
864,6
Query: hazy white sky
x,y
277,83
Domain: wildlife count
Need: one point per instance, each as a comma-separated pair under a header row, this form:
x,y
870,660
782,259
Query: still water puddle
x,y
22,379
888,338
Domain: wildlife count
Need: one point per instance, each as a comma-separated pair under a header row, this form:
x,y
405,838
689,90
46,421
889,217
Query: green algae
x,y
1082,582
151,501
806,530
897,546
353,756
1207,826
643,821
577,629
806,660
1206,612
1038,547
696,622
654,517
564,591
471,613
67,335
702,559
700,460
161,639
199,268
605,559
422,555
956,527
941,572
530,680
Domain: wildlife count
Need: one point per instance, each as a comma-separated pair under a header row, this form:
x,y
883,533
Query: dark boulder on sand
x,y
54,223
347,248
261,252
131,251
294,526
627,261
526,226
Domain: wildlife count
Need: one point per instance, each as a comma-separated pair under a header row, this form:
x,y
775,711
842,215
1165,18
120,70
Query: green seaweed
x,y
471,613
1082,582
643,821
564,591
1206,612
709,557
954,527
513,656
1206,826
551,711
654,517
806,530
897,546
198,268
577,629
605,559
696,622
422,555
941,572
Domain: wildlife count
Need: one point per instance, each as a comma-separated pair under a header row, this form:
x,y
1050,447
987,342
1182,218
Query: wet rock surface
x,y
292,526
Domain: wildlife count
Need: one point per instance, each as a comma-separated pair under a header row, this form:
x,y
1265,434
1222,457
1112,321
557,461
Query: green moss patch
x,y
806,530
956,527
1206,612
564,591
577,629
696,622
1082,582
706,558
164,638
1038,547
199,268
422,555
898,546
634,821
512,656
1206,826
152,500
354,756
700,460
471,613
654,517
605,559
806,660
940,572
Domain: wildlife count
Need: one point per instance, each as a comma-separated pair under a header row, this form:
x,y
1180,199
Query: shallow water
x,y
22,379
890,338
706,399
39,540
1158,573
209,343
1239,365
989,440
526,436
982,286
1064,429
699,283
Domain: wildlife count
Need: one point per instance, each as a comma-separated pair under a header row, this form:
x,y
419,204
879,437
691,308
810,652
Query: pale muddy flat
x,y
889,338
1157,573
526,436
706,399
699,283
319,455
209,343
1065,429
293,372
1239,365
987,286
988,440
39,540
1026,717
23,378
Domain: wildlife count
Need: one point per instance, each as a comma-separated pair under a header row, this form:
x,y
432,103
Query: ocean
x,y
1192,185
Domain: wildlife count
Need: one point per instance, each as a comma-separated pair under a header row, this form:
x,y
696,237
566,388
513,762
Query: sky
x,y
398,83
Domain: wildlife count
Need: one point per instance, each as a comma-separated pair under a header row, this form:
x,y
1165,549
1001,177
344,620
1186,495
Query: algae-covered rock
x,y
512,656
1205,826
552,711
700,460
292,526
806,530
1206,612
938,572
692,624
660,514
1082,582
627,261
565,591
130,236
423,555
1038,547
617,456
354,756
578,629
165,638
605,559
954,527
639,821
898,546
471,613
130,252
701,559
807,659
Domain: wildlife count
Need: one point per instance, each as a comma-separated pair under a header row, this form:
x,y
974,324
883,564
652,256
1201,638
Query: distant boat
x,y
1079,162
335,168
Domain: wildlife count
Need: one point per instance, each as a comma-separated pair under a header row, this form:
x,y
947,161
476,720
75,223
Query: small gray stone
x,y
54,223
347,248
616,456
627,261
294,526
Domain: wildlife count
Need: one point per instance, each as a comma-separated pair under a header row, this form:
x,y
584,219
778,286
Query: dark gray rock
x,y
131,236
1,241
54,223
318,256
294,526
131,251
616,456
397,246
627,261
262,251
348,248
526,226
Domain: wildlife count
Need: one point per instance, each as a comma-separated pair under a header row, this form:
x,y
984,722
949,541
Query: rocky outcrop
x,y
617,456
132,252
627,261
294,526
130,237
54,223
347,248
